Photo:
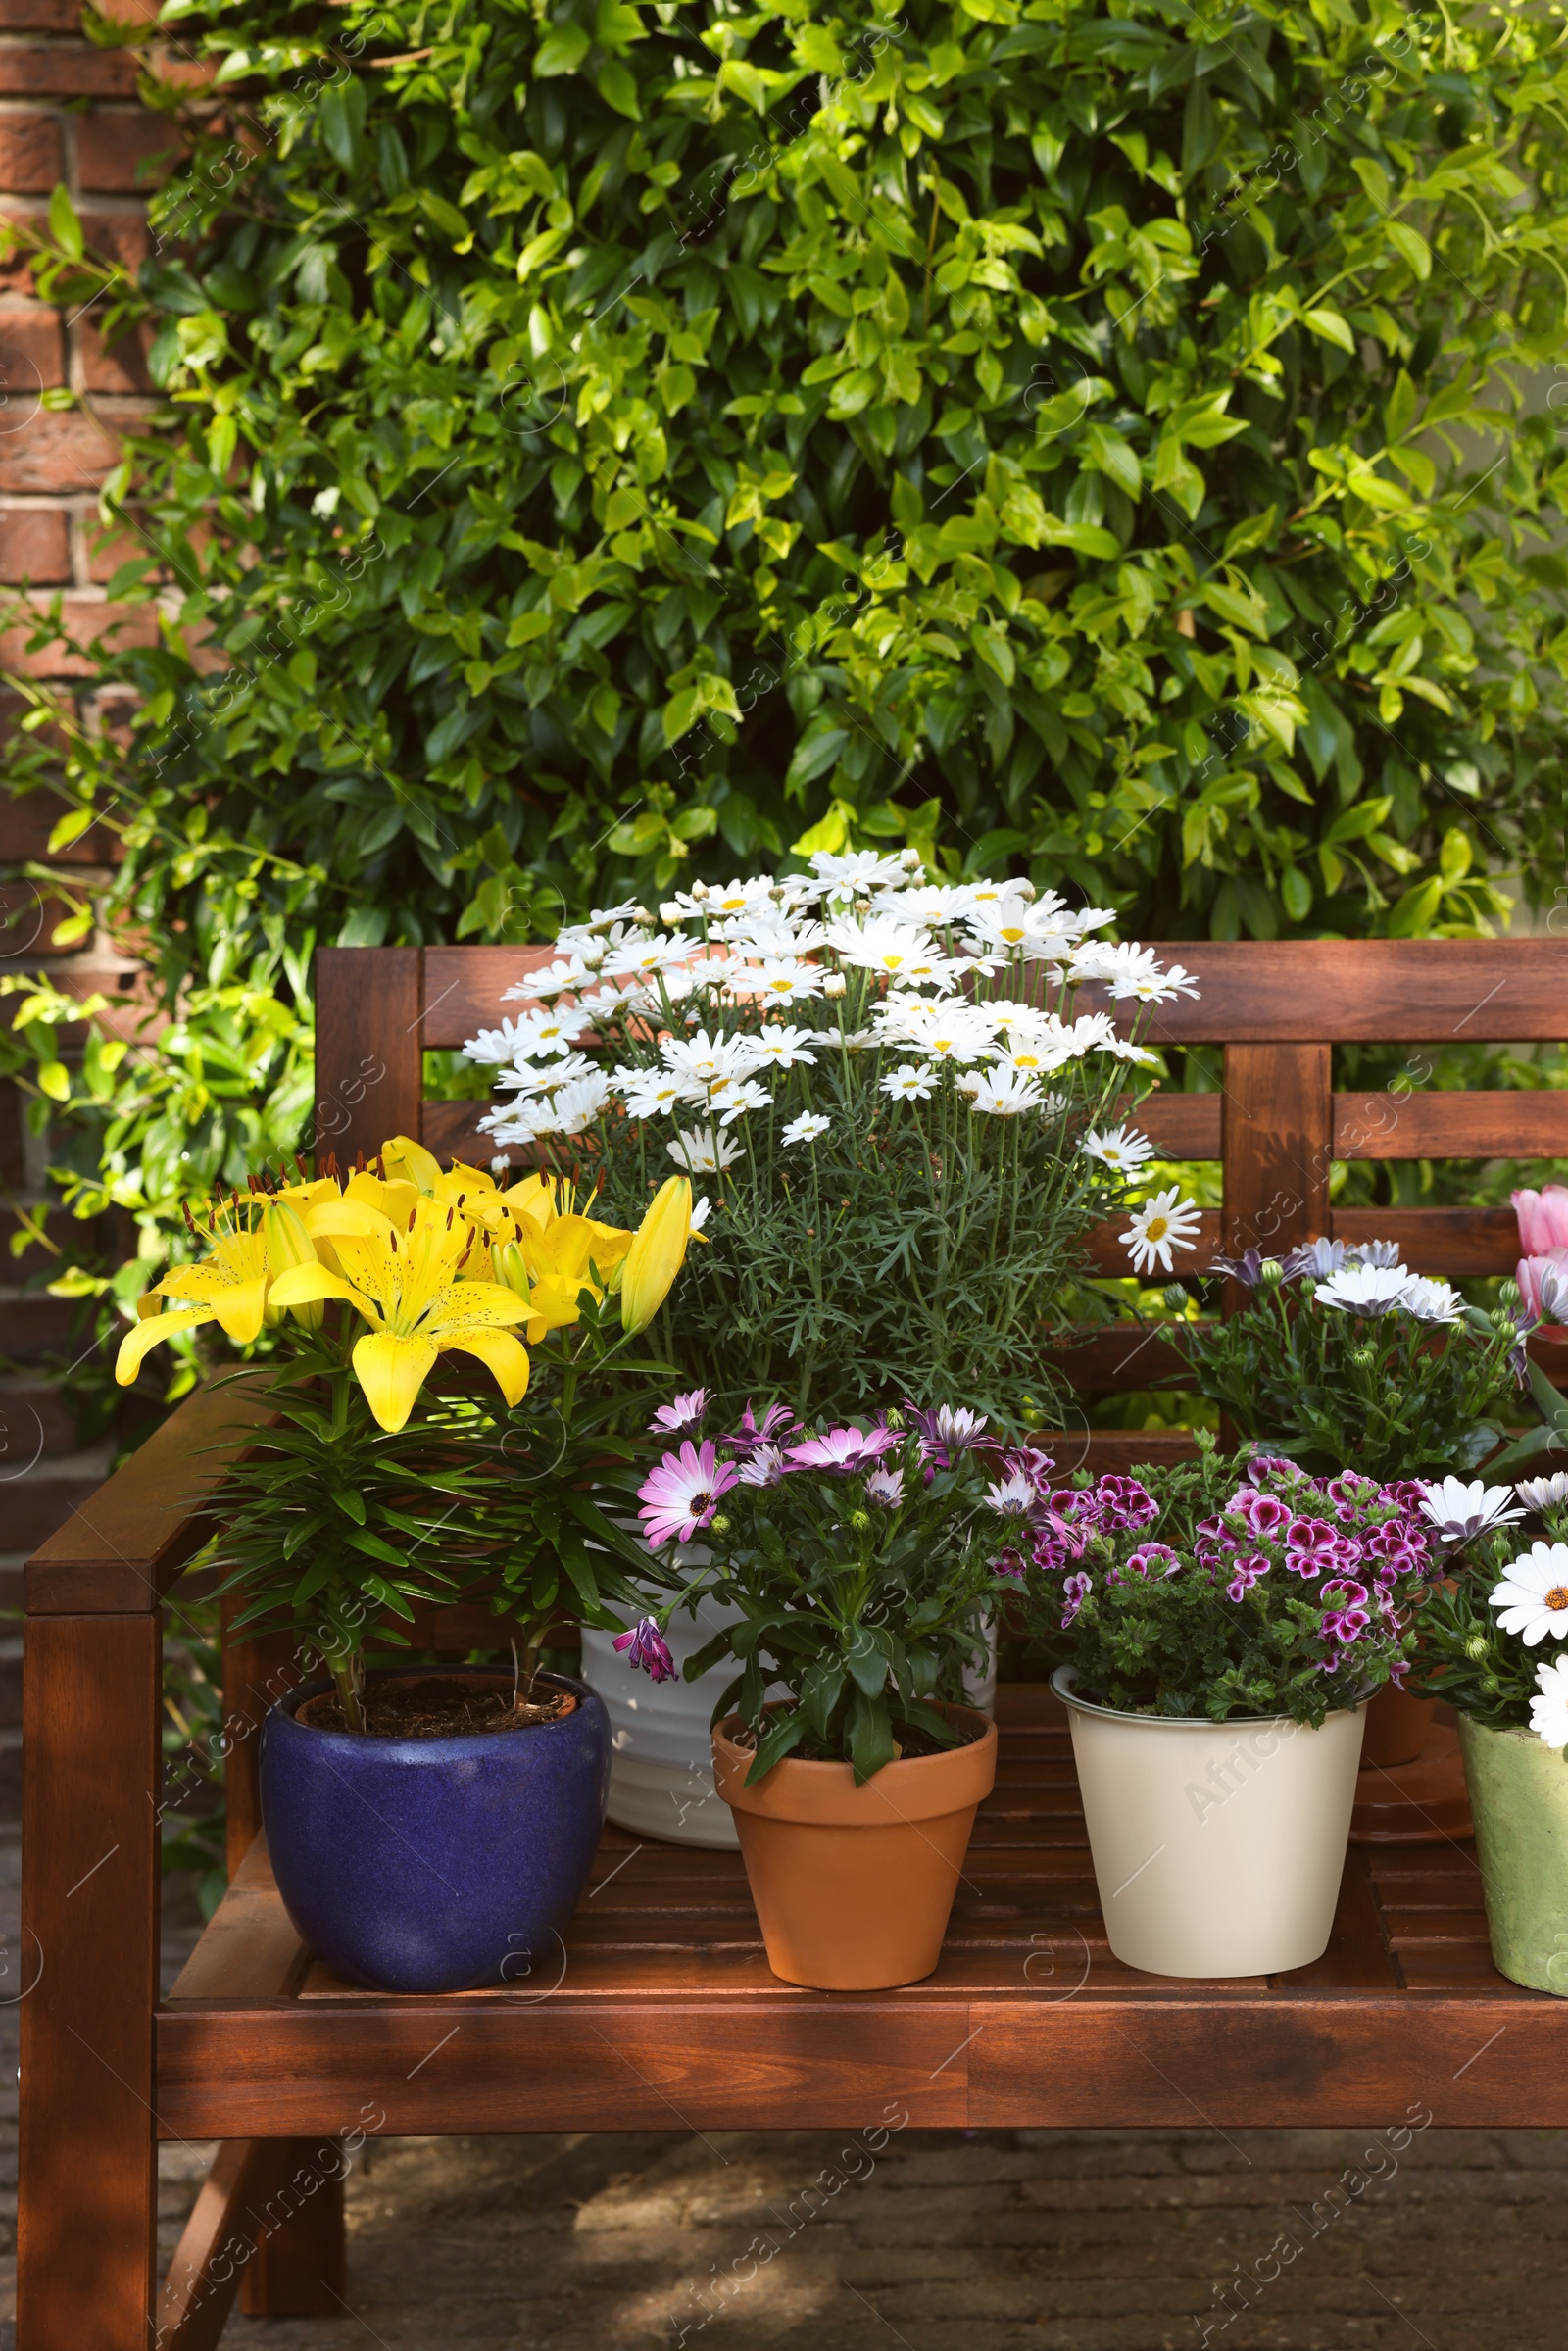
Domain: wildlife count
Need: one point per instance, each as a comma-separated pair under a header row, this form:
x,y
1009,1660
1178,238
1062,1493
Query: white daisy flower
x,y
1431,1301
635,957
1544,1494
737,1097
859,869
1001,1094
707,902
948,1032
700,1060
1127,970
935,904
569,971
770,941
495,1046
806,1128
652,1093
702,1209
1548,1713
781,1047
1459,1513
537,1077
703,1151
1122,1149
786,981
578,1104
1165,1223
882,944
1532,1599
1368,1289
907,1084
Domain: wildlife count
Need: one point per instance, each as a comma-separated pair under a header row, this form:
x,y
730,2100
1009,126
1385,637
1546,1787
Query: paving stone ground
x,y
1028,2240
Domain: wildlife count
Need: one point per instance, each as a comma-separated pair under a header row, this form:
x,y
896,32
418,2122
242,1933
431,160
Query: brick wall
x,y
69,115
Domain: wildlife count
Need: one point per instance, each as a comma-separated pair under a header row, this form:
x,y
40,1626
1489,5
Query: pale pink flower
x,y
682,1494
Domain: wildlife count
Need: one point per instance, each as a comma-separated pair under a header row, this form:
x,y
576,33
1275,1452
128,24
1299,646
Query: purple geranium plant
x,y
1228,1588
861,1561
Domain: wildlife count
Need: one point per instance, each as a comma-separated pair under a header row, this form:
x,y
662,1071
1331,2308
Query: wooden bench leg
x,y
87,2194
298,2267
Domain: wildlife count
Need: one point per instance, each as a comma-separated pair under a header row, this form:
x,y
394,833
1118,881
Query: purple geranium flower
x,y
684,1413
1265,1515
1312,1545
1009,1563
1248,1572
1151,1561
843,1449
1345,1625
776,1422
682,1494
1340,1592
1075,1592
1122,1503
646,1647
1274,1465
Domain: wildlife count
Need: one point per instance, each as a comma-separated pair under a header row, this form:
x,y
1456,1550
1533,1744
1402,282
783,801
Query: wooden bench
x,y
664,2015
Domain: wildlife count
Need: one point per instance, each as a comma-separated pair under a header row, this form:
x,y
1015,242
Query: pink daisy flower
x,y
684,1413
682,1494
843,1450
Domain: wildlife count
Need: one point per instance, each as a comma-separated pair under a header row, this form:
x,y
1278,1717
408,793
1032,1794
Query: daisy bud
x,y
1477,1647
670,913
720,1524
1270,1274
835,984
643,916
1363,1357
1175,1298
1025,890
698,892
1509,1294
862,907
910,859
859,1520
1490,1684
894,1419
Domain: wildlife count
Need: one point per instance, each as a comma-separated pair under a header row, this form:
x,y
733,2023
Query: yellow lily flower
x,y
233,1286
407,1286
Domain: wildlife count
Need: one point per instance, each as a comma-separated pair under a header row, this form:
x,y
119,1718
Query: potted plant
x,y
904,1114
1218,1628
429,1827
1343,1358
856,1560
1492,1641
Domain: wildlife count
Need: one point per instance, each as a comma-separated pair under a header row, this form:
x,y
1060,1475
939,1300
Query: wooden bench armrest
x,y
119,1553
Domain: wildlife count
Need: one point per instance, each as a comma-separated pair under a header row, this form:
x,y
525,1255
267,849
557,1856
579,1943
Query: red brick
x,y
30,154
118,236
108,549
32,360
88,622
34,544
40,16
13,1157
77,72
27,820
110,147
61,450
120,366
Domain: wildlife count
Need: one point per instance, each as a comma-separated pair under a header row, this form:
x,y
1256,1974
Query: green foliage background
x,y
604,445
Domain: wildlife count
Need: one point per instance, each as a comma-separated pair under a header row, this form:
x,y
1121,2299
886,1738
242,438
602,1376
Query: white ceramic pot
x,y
662,1751
1218,1848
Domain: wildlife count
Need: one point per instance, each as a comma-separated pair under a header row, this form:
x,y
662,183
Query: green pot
x,y
1519,1796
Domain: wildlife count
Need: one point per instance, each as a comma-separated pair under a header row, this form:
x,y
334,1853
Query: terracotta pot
x,y
854,1885
1397,1725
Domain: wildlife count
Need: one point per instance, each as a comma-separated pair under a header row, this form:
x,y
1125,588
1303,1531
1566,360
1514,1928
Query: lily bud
x,y
288,1244
508,1266
656,1255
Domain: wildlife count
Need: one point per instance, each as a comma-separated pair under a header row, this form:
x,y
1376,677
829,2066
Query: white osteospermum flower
x,y
783,1047
907,1084
1122,1149
702,1153
1548,1713
1544,1494
1532,1598
1001,1094
1365,1289
1461,1511
1165,1223
1431,1301
806,1128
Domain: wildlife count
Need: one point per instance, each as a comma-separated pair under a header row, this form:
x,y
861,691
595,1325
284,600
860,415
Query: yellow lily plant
x,y
431,1261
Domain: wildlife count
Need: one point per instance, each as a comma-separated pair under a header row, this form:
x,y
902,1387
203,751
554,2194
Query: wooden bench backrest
x,y
1275,1009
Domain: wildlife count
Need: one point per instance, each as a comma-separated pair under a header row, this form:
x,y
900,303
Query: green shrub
x,y
647,441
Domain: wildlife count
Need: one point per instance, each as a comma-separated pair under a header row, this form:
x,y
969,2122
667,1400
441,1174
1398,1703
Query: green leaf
x,y
1331,326
1412,246
561,51
64,226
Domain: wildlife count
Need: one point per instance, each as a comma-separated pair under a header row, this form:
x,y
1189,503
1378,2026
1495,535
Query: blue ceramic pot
x,y
424,1865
